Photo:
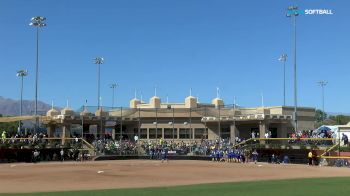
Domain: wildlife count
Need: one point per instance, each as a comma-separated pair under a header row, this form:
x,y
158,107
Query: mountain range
x,y
10,107
337,113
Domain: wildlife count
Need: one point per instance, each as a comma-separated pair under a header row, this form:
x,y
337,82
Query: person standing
x,y
273,158
267,135
309,156
164,153
334,138
3,136
345,139
151,152
285,159
255,156
62,154
253,135
36,154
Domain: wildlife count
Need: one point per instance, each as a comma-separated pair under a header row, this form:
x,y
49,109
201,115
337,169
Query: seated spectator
x,y
345,139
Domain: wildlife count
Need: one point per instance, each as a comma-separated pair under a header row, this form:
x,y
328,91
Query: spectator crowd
x,y
219,150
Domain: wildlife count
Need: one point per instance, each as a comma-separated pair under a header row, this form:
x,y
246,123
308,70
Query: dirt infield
x,y
44,177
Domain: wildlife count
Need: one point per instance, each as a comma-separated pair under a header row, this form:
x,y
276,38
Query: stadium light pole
x,y
185,125
173,123
113,87
82,119
121,123
283,58
323,84
292,12
233,140
98,61
156,124
191,133
139,127
22,74
37,22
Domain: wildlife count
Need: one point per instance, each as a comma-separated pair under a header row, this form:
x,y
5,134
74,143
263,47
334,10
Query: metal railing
x,y
289,143
44,142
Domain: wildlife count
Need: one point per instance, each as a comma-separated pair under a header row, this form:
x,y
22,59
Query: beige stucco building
x,y
182,121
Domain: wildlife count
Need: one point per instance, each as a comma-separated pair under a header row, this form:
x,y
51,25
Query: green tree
x,y
340,119
10,127
320,116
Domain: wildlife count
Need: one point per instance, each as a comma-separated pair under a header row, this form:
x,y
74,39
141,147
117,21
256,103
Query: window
x,y
225,132
168,133
273,131
200,133
153,134
136,131
185,133
143,133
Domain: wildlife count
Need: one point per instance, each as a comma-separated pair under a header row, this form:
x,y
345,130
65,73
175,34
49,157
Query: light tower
x,y
22,74
98,61
283,58
293,13
113,86
38,22
323,83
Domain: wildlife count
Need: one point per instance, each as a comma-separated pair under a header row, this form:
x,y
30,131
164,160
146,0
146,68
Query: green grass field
x,y
302,187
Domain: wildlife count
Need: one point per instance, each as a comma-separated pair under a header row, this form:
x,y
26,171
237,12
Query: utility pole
x,y
323,84
22,74
113,87
283,58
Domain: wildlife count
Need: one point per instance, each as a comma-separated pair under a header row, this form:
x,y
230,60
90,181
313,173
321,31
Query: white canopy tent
x,y
338,129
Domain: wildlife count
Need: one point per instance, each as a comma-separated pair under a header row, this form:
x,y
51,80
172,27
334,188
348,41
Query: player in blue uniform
x,y
217,155
212,155
164,155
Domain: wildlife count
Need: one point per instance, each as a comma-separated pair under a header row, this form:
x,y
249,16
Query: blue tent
x,y
323,129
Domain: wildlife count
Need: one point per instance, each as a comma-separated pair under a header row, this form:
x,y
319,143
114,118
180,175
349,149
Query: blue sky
x,y
176,45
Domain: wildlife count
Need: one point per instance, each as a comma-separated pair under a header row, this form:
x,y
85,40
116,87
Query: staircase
x,y
88,147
